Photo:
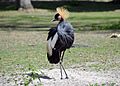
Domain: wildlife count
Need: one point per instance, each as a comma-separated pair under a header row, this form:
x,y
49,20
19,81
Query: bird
x,y
60,38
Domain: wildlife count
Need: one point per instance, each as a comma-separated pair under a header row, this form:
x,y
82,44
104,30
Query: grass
x,y
22,48
40,20
109,84
19,50
95,20
96,51
23,41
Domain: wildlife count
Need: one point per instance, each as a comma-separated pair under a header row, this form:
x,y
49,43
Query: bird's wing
x,y
51,33
66,33
52,39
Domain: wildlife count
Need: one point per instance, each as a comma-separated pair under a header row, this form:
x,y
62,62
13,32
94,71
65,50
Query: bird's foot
x,y
66,77
61,78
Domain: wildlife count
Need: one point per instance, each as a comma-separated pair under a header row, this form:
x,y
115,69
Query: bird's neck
x,y
62,20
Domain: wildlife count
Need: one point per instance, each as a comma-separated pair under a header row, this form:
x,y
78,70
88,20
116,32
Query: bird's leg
x,y
62,65
64,71
62,56
61,69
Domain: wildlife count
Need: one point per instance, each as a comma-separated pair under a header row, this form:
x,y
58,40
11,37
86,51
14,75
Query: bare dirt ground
x,y
76,78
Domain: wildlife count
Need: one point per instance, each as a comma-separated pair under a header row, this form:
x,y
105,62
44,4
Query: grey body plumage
x,y
66,34
65,39
59,39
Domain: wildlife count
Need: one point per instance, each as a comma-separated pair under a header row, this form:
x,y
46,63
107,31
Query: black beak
x,y
54,20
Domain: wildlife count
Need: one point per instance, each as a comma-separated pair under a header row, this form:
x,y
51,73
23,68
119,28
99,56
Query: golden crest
x,y
63,12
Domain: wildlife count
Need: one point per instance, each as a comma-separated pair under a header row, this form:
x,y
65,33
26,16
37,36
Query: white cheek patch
x,y
51,44
59,17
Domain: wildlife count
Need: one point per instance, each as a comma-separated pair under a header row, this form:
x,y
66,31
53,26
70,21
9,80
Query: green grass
x,y
41,20
95,20
92,51
109,84
23,41
23,48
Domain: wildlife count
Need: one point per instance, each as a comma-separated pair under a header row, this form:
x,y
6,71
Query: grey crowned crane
x,y
59,39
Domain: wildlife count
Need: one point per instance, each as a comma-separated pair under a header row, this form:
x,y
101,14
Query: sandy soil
x,y
52,78
81,78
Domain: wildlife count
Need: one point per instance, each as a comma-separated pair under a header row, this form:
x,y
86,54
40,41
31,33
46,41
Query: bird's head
x,y
57,17
61,14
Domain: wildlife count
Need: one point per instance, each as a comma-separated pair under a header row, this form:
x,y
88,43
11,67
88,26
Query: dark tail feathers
x,y
55,58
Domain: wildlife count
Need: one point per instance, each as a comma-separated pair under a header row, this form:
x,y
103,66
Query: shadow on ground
x,y
75,6
78,6
36,75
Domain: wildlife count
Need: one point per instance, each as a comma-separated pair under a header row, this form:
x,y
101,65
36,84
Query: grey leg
x,y
62,56
64,71
62,67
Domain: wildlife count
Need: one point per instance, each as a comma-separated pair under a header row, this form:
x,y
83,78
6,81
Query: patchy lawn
x,y
23,51
41,20
23,48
